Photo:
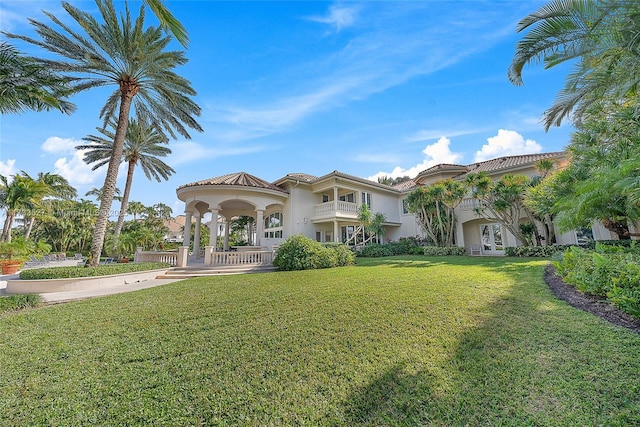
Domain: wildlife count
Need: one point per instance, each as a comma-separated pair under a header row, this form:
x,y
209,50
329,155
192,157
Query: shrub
x,y
612,272
533,251
18,302
301,253
443,250
101,270
404,246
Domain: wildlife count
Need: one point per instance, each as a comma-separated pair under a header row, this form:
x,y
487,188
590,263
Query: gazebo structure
x,y
226,197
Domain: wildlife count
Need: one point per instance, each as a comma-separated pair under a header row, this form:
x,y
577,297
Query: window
x,y
366,199
405,207
325,198
347,198
273,226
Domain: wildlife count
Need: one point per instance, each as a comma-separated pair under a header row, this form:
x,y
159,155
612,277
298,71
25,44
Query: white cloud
x,y
339,16
507,143
189,151
9,168
76,171
435,154
55,144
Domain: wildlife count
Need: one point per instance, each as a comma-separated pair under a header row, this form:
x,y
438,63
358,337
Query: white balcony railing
x,y
470,204
334,208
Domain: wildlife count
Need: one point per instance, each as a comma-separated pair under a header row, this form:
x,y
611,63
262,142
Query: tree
x,y
143,145
57,187
168,21
27,85
502,201
434,207
19,193
601,35
97,193
120,52
135,208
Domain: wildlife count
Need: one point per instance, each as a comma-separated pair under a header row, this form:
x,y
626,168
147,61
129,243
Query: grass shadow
x,y
531,360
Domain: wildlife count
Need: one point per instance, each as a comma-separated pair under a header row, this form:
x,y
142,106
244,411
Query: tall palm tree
x,y
601,34
57,187
119,51
27,85
143,145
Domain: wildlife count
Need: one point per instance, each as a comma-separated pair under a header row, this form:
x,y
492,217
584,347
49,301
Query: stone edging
x,y
79,283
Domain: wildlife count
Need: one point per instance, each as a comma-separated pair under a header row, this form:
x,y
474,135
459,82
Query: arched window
x,y
273,226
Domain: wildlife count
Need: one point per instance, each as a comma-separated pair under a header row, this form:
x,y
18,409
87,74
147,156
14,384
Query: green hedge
x,y
534,251
444,250
301,253
612,272
401,247
101,270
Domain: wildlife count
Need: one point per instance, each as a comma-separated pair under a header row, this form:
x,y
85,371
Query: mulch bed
x,y
595,305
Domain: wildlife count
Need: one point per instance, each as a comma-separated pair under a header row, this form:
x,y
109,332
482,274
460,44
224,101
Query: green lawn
x,y
394,341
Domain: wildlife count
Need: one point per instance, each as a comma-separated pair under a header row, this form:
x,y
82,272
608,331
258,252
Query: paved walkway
x,y
56,297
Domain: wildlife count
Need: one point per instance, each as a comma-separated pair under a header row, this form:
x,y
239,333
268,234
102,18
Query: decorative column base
x,y
183,256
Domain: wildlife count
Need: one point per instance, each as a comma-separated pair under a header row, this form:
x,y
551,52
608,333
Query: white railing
x,y
470,204
242,258
170,258
333,207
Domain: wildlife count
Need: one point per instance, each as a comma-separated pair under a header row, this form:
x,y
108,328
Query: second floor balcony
x,y
335,209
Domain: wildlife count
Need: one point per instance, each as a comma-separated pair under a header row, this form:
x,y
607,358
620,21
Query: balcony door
x,y
492,239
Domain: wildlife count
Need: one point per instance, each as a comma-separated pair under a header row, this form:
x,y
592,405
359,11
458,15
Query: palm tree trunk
x,y
27,232
108,189
8,225
125,199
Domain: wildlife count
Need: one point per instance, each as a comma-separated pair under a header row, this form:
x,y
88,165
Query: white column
x,y
336,231
213,229
196,237
259,226
226,234
335,199
186,240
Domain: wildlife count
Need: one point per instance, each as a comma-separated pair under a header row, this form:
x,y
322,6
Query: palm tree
x,y
120,52
26,85
143,143
97,193
602,35
18,194
135,208
57,187
168,21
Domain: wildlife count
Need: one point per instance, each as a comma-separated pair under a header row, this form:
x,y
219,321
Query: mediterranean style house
x,y
326,208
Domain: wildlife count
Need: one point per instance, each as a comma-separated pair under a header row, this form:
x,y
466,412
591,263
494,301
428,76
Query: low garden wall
x,y
78,283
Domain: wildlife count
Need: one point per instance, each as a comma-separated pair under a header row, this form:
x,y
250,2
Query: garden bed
x,y
40,286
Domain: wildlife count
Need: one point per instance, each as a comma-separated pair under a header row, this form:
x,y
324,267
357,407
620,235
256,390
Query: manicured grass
x,y
391,341
18,302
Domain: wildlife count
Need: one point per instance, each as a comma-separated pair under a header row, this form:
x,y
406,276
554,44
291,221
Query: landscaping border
x,y
43,286
589,303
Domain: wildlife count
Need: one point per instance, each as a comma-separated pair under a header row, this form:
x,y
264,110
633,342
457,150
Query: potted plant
x,y
13,254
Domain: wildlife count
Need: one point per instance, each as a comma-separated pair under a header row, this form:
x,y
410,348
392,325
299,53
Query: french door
x,y
492,240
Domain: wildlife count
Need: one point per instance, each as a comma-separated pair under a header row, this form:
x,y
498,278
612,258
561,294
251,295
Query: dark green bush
x,y
533,251
19,302
301,253
612,272
443,250
101,270
405,246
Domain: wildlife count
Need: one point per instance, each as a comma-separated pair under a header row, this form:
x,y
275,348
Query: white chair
x,y
476,250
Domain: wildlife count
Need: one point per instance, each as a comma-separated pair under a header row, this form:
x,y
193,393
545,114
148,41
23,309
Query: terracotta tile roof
x,y
241,179
406,185
299,176
509,162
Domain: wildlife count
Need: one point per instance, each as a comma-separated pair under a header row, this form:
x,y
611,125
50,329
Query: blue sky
x,y
367,88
